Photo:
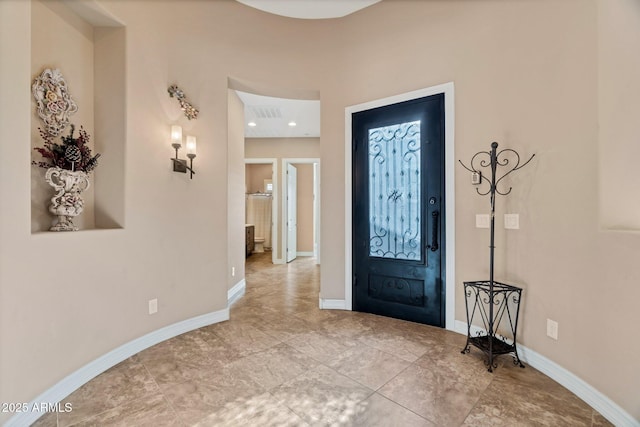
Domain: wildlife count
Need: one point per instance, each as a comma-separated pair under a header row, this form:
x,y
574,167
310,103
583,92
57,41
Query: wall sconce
x,y
180,165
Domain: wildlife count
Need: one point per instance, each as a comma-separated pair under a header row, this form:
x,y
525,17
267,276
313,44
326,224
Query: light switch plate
x,y
552,329
483,221
512,221
153,306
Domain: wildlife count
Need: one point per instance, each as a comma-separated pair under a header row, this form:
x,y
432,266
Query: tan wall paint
x,y
619,99
235,205
62,40
305,207
110,118
279,148
530,89
255,176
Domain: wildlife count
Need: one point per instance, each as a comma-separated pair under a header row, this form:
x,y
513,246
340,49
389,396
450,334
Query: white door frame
x,y
274,202
316,205
450,271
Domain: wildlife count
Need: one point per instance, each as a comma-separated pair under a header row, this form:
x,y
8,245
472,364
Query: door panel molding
x,y
449,268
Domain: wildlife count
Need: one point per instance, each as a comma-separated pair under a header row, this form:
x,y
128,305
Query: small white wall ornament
x,y
189,110
54,101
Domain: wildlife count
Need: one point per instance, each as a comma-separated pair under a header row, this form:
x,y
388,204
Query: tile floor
x,y
280,361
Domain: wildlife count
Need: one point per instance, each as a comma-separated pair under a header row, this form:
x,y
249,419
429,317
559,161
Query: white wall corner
x,y
598,401
333,304
236,292
75,380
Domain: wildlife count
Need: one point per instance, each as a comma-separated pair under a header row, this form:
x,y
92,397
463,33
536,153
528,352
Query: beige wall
x,y
236,183
279,148
304,206
619,102
529,89
255,176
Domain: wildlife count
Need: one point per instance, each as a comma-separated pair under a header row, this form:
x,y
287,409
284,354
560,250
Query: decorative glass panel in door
x,y
394,191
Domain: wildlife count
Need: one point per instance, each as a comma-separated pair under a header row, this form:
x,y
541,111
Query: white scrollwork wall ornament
x,y
67,203
54,101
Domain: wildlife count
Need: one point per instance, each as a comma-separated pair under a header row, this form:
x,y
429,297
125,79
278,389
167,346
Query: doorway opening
x,y
261,205
301,207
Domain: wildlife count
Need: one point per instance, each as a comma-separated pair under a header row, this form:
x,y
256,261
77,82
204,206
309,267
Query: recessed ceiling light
x,y
252,124
292,123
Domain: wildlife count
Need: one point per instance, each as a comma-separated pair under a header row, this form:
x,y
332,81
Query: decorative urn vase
x,y
67,203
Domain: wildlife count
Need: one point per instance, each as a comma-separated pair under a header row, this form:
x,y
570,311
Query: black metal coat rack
x,y
497,304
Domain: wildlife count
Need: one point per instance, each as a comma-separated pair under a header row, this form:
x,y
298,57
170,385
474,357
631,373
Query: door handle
x,y
434,231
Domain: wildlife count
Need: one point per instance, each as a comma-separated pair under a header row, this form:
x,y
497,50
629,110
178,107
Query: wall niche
x,y
87,44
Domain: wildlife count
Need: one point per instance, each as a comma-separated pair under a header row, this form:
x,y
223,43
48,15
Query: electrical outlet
x,y
552,329
483,221
512,221
233,271
153,306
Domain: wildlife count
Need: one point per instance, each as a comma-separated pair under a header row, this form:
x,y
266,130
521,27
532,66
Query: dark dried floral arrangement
x,y
73,154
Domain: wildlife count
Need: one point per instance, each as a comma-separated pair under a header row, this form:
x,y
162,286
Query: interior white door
x,y
292,214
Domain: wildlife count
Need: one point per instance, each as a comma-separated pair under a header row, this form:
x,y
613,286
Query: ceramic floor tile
x,y
194,401
322,396
398,345
274,366
500,410
377,411
599,421
259,410
169,372
151,411
369,366
123,383
49,419
281,361
434,396
244,338
317,345
283,327
508,401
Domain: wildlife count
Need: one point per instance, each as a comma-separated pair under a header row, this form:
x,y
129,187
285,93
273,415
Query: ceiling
x,y
272,116
309,9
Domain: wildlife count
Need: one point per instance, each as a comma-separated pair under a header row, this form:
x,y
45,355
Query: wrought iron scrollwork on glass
x,y
394,191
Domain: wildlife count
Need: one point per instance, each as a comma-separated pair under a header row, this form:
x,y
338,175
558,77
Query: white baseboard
x,y
304,253
237,292
598,401
333,304
75,380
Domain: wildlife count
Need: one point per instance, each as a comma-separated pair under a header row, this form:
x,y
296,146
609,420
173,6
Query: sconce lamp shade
x,y
176,135
191,145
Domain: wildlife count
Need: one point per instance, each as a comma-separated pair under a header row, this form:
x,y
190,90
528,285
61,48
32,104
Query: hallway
x,y
280,361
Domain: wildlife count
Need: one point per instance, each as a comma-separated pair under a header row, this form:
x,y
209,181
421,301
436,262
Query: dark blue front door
x,y
398,210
